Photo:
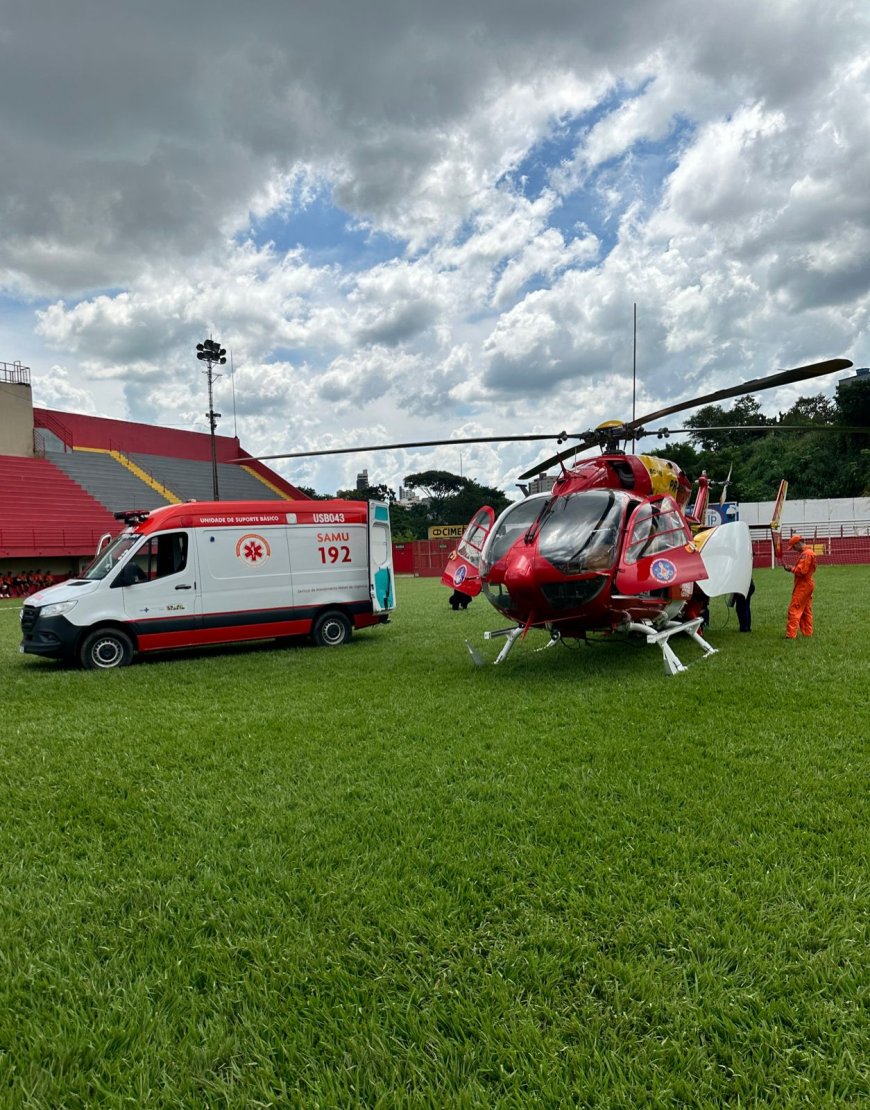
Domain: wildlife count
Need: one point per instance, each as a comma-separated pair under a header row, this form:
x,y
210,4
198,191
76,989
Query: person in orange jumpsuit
x,y
800,611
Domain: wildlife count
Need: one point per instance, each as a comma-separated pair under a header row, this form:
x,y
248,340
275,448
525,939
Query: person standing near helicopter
x,y
743,608
800,610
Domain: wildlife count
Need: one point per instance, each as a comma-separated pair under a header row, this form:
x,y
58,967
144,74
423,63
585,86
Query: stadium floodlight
x,y
212,354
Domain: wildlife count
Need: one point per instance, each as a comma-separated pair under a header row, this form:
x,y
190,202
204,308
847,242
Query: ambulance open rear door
x,y
380,543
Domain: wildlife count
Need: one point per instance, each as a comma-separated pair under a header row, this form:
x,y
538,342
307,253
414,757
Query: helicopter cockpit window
x,y
581,531
512,523
657,527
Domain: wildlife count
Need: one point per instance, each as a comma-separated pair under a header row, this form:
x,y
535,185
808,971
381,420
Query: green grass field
x,y
376,876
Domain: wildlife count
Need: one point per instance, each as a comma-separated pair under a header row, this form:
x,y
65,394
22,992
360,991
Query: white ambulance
x,y
220,572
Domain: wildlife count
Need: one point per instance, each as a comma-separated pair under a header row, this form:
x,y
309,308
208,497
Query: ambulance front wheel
x,y
331,629
104,649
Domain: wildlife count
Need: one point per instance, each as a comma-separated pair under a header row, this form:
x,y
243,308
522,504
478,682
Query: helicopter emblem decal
x,y
663,570
460,575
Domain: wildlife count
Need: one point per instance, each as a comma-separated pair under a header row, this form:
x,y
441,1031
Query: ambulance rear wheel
x,y
331,629
104,649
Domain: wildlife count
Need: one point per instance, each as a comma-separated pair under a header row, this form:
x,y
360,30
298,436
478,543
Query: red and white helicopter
x,y
613,548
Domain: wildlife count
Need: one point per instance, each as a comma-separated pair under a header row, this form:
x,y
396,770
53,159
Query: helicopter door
x,y
462,572
658,551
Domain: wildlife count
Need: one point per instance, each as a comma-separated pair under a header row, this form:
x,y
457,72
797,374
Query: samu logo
x,y
253,550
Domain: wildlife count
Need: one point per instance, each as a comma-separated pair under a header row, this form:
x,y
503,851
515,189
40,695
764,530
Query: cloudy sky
x,y
410,220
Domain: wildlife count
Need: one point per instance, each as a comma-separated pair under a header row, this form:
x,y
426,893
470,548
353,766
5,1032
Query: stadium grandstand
x,y
63,475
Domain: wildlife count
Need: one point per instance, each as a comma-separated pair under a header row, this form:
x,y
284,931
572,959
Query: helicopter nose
x,y
518,571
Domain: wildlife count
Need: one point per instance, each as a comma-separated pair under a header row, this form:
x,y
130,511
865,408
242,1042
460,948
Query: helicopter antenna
x,y
634,377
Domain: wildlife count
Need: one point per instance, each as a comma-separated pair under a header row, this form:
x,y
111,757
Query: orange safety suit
x,y
800,611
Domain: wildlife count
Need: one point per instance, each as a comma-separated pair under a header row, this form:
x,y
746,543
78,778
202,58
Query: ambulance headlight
x,y
58,608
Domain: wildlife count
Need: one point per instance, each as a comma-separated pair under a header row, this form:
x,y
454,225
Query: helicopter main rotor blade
x,y
558,436
588,440
630,429
784,377
663,433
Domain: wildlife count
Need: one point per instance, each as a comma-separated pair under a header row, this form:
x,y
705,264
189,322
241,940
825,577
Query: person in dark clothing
x,y
742,607
459,601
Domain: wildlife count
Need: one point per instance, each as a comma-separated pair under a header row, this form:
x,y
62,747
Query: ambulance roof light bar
x,y
132,515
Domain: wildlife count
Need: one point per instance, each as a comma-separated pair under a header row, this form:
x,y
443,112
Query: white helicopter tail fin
x,y
727,554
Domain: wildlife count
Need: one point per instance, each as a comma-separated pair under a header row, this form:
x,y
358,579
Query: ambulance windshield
x,y
115,553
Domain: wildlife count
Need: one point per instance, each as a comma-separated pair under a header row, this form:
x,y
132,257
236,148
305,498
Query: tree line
x,y
809,444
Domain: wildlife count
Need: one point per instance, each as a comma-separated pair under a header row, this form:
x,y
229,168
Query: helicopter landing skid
x,y
660,636
512,634
663,635
555,638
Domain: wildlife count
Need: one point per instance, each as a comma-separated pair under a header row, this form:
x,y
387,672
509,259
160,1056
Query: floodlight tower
x,y
212,353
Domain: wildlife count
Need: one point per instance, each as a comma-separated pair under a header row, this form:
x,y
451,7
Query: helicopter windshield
x,y
510,526
580,532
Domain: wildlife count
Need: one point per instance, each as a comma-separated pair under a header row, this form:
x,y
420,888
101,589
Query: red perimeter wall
x,y
427,558
423,558
830,551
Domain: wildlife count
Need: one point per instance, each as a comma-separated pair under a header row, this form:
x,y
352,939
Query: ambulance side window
x,y
164,555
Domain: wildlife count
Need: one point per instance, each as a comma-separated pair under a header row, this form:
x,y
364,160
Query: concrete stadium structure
x,y
63,475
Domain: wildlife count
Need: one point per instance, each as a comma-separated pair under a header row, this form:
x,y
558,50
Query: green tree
x,y
853,401
746,412
452,499
853,409
379,492
463,505
437,486
817,463
683,454
810,410
404,526
309,491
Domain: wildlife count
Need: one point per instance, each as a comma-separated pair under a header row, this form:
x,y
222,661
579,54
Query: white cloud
x,y
56,391
525,174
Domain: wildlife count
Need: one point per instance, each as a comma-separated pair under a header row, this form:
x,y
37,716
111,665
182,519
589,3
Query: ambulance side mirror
x,y
129,575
